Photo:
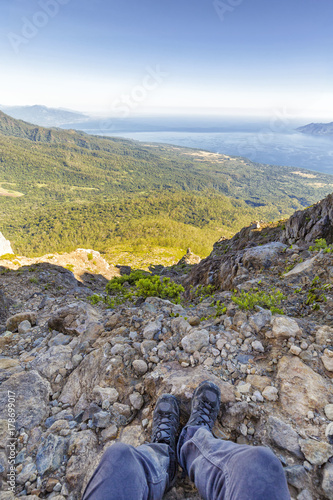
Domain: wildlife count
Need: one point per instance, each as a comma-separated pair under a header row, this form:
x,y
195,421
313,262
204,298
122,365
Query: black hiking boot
x,y
165,429
205,407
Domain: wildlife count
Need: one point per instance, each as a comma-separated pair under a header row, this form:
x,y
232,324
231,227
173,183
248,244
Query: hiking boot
x,y
165,428
166,421
205,407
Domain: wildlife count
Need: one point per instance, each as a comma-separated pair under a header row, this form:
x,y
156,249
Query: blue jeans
x,y
221,470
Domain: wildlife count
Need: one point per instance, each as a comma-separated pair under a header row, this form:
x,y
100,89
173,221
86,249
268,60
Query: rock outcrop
x,y
5,246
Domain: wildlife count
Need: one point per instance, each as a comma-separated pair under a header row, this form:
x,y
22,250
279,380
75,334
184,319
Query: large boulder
x,y
78,318
262,257
31,395
54,359
181,382
301,389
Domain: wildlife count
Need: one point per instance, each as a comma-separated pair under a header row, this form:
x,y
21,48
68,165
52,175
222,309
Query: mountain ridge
x,y
43,115
324,129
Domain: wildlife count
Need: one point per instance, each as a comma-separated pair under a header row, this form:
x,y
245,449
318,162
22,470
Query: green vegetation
x,y
255,297
201,292
220,309
316,294
321,244
110,193
141,284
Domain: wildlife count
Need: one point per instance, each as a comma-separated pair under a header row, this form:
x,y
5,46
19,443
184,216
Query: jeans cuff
x,y
186,434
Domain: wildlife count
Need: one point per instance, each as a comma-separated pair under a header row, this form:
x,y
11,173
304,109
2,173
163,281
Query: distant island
x,y
317,129
44,116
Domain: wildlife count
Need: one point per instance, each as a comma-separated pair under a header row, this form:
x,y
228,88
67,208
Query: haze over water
x,y
287,148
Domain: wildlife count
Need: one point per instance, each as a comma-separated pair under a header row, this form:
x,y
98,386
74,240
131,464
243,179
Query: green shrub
x,y
8,256
316,293
90,256
220,309
321,244
143,284
154,286
248,300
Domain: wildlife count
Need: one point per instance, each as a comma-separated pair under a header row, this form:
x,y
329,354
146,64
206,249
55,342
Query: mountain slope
x,y
44,116
90,190
317,129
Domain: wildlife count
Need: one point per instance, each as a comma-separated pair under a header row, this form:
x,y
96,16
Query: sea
x,y
259,143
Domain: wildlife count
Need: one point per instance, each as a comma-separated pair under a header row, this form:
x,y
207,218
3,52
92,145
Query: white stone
x,y
329,411
244,388
257,346
270,393
295,350
285,327
136,400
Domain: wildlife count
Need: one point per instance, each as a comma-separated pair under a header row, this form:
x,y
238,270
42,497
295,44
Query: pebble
x,y
140,366
295,350
329,411
257,346
270,393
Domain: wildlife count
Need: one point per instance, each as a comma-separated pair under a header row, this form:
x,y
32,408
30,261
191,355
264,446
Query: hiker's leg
x,y
226,470
128,473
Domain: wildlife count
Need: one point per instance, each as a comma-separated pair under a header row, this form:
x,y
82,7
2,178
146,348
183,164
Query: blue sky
x,y
175,56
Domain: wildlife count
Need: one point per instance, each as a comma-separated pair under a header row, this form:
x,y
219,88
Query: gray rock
x,y
297,476
24,327
101,419
140,366
151,330
31,398
259,320
305,266
109,433
51,361
257,346
284,436
327,483
136,400
59,339
50,454
270,393
83,452
262,256
195,341
77,319
26,473
305,495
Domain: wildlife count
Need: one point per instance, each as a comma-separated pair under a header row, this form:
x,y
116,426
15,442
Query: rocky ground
x,y
80,377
